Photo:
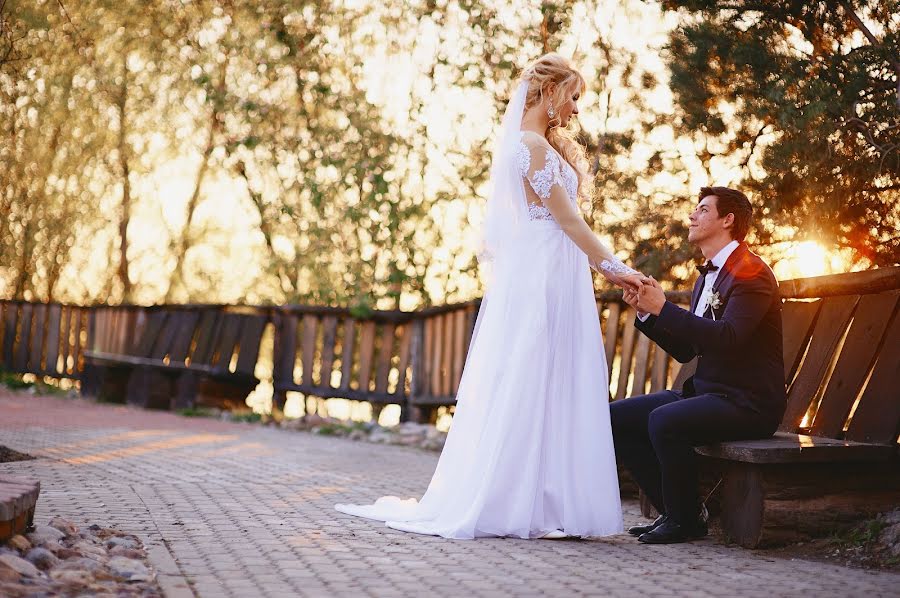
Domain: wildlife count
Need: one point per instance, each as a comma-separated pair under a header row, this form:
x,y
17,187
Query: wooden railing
x,y
412,359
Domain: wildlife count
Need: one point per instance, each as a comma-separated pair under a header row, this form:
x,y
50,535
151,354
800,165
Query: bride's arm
x,y
543,175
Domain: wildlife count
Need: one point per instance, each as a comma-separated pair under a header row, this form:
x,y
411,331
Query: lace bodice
x,y
544,168
556,171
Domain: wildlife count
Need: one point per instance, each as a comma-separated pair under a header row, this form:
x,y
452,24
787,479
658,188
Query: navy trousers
x,y
655,436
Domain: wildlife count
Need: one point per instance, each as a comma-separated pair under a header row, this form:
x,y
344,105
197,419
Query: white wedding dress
x,y
530,447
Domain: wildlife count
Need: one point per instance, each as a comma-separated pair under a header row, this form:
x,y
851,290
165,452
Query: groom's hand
x,y
631,297
651,298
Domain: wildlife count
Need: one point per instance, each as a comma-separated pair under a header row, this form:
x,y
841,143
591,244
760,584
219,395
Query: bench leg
x,y
105,383
743,503
222,394
185,391
772,504
149,388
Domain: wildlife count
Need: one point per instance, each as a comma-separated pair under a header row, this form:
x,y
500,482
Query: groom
x,y
734,327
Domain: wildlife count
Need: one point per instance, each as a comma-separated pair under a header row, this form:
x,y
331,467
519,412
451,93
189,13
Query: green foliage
x,y
805,95
198,412
13,381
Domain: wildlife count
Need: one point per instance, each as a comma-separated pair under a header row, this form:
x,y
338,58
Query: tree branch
x,y
872,40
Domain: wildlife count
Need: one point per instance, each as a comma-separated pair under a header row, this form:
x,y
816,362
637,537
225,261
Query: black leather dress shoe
x,y
638,530
670,532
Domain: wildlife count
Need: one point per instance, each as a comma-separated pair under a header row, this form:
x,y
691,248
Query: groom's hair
x,y
731,201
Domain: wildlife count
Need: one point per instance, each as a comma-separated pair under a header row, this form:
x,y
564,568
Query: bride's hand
x,y
633,282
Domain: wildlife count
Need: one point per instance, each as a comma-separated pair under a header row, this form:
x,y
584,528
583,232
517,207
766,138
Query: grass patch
x,y
198,412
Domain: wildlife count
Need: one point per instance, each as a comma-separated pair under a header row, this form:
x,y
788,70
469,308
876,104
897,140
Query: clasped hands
x,y
643,293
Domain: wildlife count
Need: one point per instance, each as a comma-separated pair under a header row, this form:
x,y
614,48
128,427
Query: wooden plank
x,y
829,328
385,354
851,283
659,377
230,329
329,339
459,349
447,353
54,317
80,321
406,334
427,353
285,355
308,355
248,347
65,339
181,344
152,330
206,337
21,361
437,353
38,335
797,319
347,347
628,340
877,417
640,367
163,344
854,363
612,333
794,448
366,351
10,319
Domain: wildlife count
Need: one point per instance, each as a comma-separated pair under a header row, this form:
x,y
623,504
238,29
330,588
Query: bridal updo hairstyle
x,y
552,71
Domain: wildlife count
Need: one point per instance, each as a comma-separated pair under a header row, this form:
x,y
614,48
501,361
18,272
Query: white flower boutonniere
x,y
714,302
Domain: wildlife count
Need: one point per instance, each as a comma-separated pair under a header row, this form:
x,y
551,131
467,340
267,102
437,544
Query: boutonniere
x,y
714,302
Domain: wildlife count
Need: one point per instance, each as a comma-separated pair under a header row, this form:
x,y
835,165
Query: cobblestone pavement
x,y
243,510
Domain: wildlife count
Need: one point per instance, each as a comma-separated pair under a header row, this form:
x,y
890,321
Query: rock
x,y
19,565
89,550
20,543
81,564
124,541
357,435
67,553
129,569
44,534
64,525
72,577
8,575
42,558
380,435
131,553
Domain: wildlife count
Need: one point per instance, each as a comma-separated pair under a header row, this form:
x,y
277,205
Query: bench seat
x,y
785,447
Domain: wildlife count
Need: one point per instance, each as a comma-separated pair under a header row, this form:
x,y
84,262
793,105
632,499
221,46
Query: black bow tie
x,y
707,268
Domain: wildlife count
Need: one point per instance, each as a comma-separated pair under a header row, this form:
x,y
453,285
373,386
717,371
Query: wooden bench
x,y
330,353
44,339
835,457
181,357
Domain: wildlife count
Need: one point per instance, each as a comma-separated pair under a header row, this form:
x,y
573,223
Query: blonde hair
x,y
554,70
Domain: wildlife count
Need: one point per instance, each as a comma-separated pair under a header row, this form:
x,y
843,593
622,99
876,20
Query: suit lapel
x,y
695,295
728,269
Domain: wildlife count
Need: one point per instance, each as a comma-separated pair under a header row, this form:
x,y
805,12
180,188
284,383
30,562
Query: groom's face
x,y
705,222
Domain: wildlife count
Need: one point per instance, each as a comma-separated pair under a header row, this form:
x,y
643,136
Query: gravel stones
x,y
59,560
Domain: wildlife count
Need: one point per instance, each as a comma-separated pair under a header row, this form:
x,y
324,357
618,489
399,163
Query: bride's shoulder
x,y
532,139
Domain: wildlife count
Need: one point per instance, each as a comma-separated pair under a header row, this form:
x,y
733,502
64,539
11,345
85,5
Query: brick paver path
x,y
245,510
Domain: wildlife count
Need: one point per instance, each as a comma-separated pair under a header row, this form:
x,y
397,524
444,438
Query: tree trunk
x,y
125,214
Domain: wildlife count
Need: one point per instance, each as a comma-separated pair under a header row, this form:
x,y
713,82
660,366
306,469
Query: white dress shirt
x,y
708,281
710,278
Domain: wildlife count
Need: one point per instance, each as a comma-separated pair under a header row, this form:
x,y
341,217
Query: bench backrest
x,y
842,364
228,342
331,353
42,339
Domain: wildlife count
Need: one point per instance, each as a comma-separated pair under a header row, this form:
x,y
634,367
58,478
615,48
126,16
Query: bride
x,y
530,452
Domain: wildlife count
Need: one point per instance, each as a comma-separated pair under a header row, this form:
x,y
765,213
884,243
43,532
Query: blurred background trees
x,y
334,151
